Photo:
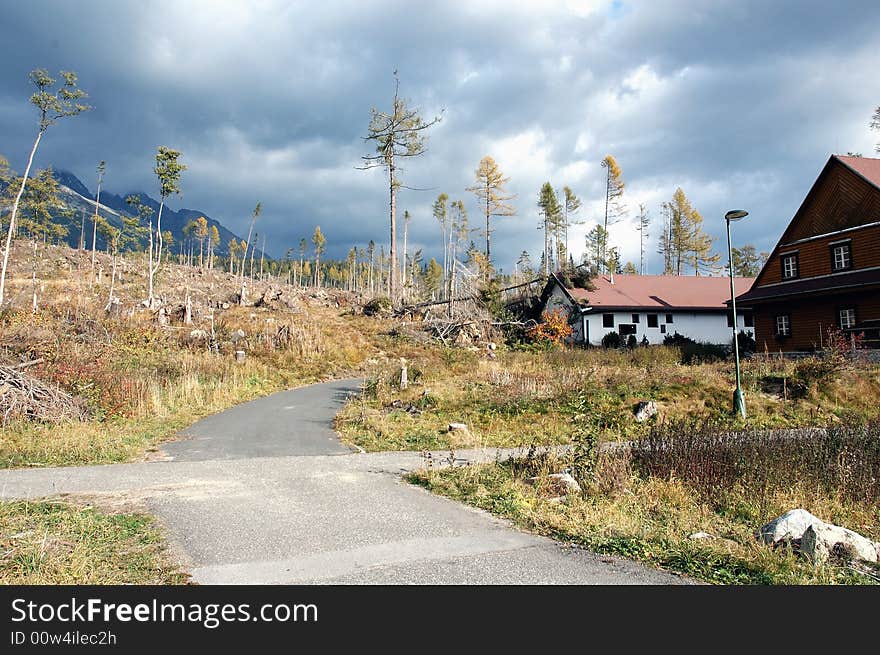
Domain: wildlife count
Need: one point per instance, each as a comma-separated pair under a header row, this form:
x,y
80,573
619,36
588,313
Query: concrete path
x,y
265,493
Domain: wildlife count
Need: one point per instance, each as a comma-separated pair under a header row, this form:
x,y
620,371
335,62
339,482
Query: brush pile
x,y
22,396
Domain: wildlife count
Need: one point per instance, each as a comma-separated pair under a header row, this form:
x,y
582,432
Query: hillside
x,y
79,201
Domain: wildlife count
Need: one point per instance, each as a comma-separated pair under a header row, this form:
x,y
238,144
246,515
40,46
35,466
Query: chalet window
x,y
662,329
730,319
669,318
841,256
789,266
846,317
626,329
635,318
607,320
783,325
652,320
748,319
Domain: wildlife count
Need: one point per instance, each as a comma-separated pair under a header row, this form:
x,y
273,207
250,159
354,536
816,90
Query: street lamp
x,y
739,402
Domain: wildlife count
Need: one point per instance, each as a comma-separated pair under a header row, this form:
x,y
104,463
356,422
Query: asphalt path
x,y
265,493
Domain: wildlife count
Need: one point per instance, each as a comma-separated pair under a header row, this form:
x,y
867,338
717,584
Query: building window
x,y
730,319
783,325
748,319
635,318
607,320
789,266
662,329
626,329
846,318
841,257
669,318
652,320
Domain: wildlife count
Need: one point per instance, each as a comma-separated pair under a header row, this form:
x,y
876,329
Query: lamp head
x,y
735,214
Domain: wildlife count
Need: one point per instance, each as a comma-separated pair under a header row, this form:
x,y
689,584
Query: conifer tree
x,y
492,195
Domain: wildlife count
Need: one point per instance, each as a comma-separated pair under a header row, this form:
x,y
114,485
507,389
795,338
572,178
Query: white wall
x,y
704,326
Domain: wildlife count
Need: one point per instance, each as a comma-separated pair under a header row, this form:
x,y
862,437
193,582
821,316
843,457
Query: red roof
x,y
867,167
659,292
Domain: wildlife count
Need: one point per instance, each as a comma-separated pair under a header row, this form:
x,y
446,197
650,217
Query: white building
x,y
651,306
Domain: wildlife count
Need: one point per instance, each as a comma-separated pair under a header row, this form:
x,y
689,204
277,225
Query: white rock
x,y
565,482
644,410
701,535
822,541
790,525
453,427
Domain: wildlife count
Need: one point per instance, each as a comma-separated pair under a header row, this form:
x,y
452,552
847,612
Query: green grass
x,y
55,542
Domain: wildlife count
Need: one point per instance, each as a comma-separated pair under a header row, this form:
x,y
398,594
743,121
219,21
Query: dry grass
x,y
651,518
143,382
53,542
525,398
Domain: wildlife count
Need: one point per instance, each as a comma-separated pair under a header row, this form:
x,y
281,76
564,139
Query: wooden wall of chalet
x,y
810,316
814,257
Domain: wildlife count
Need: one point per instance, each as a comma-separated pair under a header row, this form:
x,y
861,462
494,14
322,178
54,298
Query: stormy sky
x,y
739,102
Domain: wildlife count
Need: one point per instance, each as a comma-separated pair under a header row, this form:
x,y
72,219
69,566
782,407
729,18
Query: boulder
x,y
565,483
198,335
561,484
823,541
789,526
644,409
699,536
456,427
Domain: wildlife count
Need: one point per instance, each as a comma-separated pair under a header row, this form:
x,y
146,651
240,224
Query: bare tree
x,y
102,167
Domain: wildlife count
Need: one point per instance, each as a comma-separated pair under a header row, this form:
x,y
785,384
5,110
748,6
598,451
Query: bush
x,y
693,352
747,343
611,340
553,328
631,342
843,459
378,306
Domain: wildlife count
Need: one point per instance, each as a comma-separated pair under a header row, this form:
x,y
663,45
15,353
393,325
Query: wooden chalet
x,y
825,270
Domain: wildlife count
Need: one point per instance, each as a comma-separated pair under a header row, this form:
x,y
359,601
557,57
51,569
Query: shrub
x,y
553,328
843,459
631,342
747,343
693,352
378,306
611,340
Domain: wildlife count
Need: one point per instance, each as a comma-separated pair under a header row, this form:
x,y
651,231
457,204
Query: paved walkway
x,y
265,493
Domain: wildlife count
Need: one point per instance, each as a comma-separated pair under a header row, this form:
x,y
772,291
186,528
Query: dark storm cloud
x,y
740,103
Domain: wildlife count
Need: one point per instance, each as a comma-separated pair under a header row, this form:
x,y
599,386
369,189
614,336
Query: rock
x,y
237,336
491,345
823,541
566,482
789,526
644,409
559,484
455,427
198,335
240,356
701,535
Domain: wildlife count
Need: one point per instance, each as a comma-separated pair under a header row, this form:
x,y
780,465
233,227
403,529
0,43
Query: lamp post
x,y
739,402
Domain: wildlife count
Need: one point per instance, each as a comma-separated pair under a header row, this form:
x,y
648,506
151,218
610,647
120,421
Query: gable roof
x,y
659,292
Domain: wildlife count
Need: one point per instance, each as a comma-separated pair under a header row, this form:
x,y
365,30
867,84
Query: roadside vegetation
x,y
140,382
531,395
56,542
689,498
